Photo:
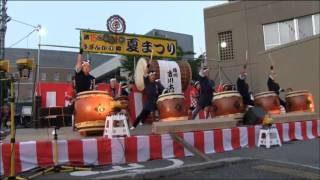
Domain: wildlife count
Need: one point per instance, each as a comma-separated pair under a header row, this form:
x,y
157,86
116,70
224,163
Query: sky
x,y
60,19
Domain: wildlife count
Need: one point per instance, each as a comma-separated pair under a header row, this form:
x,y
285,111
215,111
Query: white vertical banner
x,y
51,99
170,75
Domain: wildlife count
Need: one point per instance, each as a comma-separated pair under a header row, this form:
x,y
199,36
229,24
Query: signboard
x,y
126,44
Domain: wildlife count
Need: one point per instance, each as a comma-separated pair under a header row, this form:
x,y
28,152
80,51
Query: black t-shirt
x,y
206,91
83,82
273,86
152,90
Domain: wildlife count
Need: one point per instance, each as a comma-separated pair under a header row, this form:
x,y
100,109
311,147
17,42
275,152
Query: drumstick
x,y
271,61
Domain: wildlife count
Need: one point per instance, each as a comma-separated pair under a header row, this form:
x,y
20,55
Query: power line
x,y
23,38
27,24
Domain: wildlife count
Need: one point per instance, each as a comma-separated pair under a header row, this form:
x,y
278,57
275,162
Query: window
x,y
69,77
56,76
316,20
43,76
271,35
287,31
290,30
305,27
225,45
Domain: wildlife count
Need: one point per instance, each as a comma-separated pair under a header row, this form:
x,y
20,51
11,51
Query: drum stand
x,y
57,168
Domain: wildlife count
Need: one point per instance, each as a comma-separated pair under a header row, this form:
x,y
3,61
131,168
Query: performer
x,y
152,89
274,86
243,87
84,81
206,93
113,91
194,95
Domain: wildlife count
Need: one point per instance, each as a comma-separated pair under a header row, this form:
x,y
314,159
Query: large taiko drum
x,y
184,66
301,101
228,103
172,107
91,109
123,101
268,101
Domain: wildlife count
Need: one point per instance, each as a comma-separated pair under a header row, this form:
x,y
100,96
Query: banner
x,y
126,44
170,76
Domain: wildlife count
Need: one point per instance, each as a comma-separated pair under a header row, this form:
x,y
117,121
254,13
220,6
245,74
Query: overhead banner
x,y
126,44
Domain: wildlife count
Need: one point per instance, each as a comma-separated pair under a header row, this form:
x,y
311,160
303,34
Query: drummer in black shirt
x,y
275,87
243,87
84,81
206,93
152,89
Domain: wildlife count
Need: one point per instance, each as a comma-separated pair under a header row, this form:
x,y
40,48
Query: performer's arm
x,y
79,59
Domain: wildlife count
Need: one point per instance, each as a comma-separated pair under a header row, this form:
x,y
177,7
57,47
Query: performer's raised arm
x,y
79,61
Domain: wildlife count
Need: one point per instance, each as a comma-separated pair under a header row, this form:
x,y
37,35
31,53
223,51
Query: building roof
x,y
53,58
171,32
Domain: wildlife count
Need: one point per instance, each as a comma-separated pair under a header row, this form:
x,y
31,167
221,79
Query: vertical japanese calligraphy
x,y
126,44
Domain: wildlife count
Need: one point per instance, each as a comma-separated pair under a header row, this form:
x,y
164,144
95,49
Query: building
x,y
261,33
184,41
55,66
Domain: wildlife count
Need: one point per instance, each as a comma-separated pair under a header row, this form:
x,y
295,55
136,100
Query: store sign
x,y
127,44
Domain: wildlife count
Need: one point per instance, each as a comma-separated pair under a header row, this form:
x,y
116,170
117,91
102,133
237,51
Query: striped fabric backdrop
x,y
103,151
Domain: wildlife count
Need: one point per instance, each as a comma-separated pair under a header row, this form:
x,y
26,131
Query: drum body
x,y
123,101
91,109
172,107
184,66
268,101
228,103
299,101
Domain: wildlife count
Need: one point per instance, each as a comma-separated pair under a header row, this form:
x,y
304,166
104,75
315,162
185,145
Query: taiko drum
x,y
227,103
268,101
91,109
172,107
184,66
299,101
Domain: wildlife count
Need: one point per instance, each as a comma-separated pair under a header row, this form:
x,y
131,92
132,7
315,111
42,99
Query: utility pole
x,y
4,18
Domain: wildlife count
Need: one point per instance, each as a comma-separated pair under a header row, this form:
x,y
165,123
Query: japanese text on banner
x,y
127,44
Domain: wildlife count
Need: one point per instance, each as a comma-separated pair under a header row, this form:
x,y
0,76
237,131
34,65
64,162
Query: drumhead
x,y
91,92
297,93
265,94
170,96
138,74
225,94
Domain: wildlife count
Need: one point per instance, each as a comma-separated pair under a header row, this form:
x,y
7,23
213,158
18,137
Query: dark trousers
x,y
142,116
283,103
248,101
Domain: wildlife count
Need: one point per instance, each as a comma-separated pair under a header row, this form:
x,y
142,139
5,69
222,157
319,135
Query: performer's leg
x,y
144,113
283,103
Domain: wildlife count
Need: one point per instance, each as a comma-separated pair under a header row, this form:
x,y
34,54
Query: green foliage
x,y
195,67
128,64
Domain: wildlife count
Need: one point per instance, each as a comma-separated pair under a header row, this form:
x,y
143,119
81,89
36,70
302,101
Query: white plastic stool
x,y
271,137
110,130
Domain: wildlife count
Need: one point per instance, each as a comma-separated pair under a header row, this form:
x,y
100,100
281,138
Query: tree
x,y
128,64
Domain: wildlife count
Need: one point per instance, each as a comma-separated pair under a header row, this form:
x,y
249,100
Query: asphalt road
x,y
294,160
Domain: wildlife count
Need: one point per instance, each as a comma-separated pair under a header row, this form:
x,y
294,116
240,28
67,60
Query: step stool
x,y
110,130
269,137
